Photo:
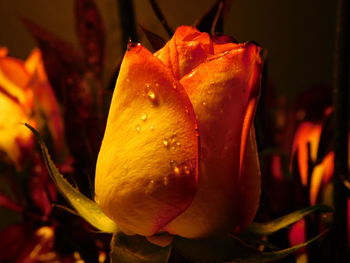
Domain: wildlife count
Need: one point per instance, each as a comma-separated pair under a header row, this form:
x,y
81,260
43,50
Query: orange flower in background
x,y
24,89
179,152
305,146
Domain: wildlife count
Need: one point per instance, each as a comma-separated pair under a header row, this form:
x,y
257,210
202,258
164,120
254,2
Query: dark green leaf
x,y
268,228
215,249
86,208
274,255
136,249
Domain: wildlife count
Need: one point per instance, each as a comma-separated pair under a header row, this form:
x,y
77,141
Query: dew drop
x,y
127,80
166,143
177,170
78,199
151,127
204,103
144,116
138,128
152,96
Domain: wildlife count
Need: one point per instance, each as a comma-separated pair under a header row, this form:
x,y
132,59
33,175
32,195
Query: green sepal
x,y
214,249
137,249
85,207
229,249
274,255
268,228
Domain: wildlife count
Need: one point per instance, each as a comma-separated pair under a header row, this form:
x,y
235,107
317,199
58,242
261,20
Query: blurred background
x,y
71,100
298,35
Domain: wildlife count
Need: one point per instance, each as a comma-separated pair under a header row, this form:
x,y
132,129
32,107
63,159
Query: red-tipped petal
x,y
224,92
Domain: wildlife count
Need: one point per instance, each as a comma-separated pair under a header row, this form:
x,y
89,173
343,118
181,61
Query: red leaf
x,y
62,61
90,31
6,202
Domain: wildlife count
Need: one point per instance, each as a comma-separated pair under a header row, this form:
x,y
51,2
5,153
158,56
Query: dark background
x,y
299,35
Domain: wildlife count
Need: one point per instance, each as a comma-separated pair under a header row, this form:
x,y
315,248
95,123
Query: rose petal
x,y
45,97
307,134
321,173
147,165
14,78
249,182
11,131
223,92
185,50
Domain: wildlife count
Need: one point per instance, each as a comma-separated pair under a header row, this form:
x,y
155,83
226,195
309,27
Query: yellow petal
x,y
14,78
223,92
147,167
13,135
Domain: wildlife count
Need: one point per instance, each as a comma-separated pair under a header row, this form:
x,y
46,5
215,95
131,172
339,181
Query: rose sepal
x,y
86,208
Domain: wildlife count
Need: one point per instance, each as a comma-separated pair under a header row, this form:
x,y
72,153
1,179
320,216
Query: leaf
x,y
215,249
212,21
156,41
91,34
274,255
60,58
86,208
268,228
136,249
229,249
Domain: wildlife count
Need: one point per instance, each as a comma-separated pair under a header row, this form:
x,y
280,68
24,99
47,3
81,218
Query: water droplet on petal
x,y
177,170
204,103
166,143
144,116
151,127
152,96
138,128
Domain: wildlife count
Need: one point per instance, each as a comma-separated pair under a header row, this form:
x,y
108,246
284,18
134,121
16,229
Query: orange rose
x,y
179,154
23,87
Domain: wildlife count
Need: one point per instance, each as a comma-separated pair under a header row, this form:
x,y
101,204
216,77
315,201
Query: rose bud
x,y
179,154
24,92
